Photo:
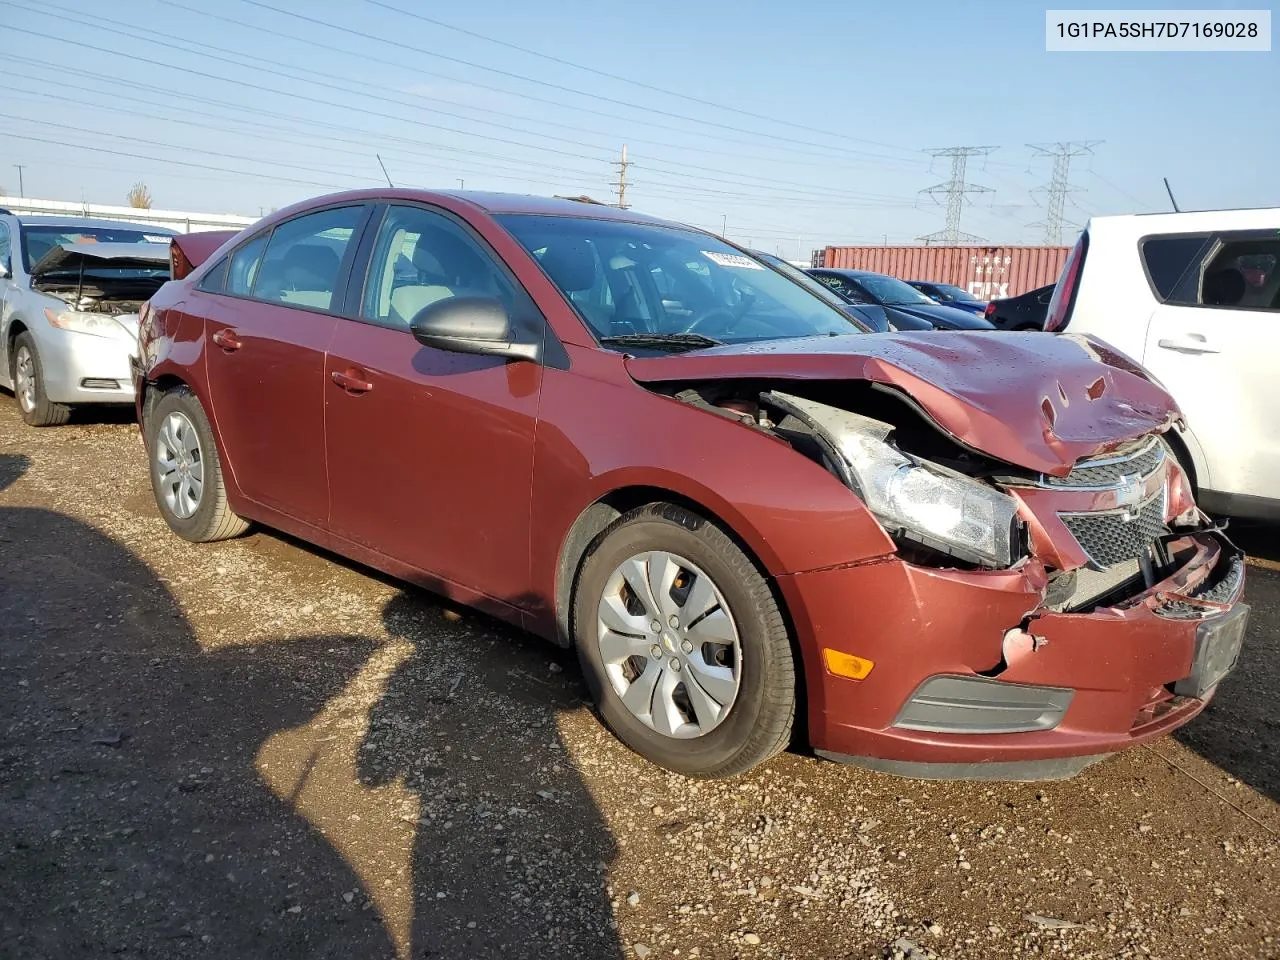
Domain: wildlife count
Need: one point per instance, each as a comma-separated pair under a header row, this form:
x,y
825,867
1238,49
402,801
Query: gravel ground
x,y
255,749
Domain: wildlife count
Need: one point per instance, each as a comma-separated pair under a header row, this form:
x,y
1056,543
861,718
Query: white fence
x,y
182,221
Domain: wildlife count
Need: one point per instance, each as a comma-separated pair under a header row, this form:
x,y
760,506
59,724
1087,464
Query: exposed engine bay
x,y
1110,529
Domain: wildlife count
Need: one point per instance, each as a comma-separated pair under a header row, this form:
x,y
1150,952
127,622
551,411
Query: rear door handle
x,y
351,381
1188,343
227,340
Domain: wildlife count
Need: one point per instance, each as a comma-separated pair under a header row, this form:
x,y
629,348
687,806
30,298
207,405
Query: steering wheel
x,y
707,316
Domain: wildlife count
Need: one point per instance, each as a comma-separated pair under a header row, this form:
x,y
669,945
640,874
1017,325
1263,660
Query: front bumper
x,y
1087,684
80,369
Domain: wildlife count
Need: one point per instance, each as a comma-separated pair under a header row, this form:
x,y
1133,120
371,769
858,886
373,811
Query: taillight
x,y
179,265
1064,293
990,310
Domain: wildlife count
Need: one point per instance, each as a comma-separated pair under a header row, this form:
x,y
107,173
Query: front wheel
x,y
28,386
682,644
186,474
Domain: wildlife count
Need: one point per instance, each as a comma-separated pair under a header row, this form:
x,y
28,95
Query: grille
x,y
1143,461
1224,589
1108,539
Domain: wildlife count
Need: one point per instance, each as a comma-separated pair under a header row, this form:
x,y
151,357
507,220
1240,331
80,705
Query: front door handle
x,y
351,381
1188,343
227,340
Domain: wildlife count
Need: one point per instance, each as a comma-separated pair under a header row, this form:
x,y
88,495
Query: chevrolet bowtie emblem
x,y
1128,495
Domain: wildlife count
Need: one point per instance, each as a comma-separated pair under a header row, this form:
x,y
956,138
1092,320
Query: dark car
x,y
904,304
866,316
635,439
951,295
1026,311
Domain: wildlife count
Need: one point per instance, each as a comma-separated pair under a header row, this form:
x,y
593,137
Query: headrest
x,y
310,266
1224,288
571,263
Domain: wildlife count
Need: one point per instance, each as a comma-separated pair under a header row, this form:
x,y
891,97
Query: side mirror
x,y
471,325
4,271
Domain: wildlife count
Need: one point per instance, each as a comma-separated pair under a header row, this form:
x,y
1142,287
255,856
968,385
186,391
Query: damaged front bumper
x,y
975,678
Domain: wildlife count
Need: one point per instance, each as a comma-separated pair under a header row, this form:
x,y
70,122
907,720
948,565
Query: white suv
x,y
1195,297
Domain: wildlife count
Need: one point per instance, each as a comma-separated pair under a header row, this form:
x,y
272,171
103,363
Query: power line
x,y
793,190
637,83
1059,185
955,190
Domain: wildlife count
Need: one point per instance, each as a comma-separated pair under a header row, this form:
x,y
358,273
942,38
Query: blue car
x,y
869,318
950,295
905,307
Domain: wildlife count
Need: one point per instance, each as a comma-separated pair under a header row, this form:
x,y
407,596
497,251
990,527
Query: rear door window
x,y
4,249
1236,270
1173,261
304,257
244,266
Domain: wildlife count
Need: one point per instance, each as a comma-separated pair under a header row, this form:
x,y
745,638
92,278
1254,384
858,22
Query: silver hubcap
x,y
25,379
179,465
669,644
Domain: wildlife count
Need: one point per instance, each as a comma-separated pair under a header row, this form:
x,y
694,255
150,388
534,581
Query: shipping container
x,y
986,272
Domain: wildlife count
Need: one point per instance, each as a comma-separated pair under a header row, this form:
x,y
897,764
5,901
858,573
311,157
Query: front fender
x,y
596,438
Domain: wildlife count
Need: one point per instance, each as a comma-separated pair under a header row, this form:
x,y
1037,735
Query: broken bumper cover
x,y
974,679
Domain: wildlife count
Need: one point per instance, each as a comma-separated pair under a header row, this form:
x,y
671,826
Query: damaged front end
x,y
1030,622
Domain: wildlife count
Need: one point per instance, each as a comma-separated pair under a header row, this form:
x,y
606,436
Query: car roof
x,y
41,221
1141,224
494,204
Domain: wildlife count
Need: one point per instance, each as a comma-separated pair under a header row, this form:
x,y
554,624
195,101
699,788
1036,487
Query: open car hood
x,y
1040,402
71,256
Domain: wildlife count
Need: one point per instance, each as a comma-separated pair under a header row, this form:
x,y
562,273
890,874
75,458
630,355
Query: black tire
x,y
42,412
213,518
758,724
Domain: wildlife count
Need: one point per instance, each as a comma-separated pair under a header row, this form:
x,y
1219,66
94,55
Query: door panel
x,y
433,463
1217,359
430,453
268,399
266,339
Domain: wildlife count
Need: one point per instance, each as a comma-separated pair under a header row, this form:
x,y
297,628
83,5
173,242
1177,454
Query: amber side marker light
x,y
846,664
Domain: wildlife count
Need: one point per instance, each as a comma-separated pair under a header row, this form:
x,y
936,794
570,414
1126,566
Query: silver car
x,y
70,292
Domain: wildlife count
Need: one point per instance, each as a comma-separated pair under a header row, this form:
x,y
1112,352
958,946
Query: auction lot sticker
x,y
1208,31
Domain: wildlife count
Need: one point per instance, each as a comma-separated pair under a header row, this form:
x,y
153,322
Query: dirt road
x,y
254,749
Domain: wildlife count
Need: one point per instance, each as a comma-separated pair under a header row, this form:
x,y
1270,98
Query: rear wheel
x,y
186,474
683,645
27,375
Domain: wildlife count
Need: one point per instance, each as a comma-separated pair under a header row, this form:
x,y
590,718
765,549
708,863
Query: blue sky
x,y
799,125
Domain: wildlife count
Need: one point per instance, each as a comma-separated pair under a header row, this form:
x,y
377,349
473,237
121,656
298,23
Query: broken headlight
x,y
914,499
920,501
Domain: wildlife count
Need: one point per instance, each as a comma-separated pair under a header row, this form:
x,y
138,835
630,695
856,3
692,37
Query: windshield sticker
x,y
151,238
731,260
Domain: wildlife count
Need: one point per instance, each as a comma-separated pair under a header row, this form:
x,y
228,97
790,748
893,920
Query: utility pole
x,y
1059,184
724,224
955,190
462,184
621,182
21,189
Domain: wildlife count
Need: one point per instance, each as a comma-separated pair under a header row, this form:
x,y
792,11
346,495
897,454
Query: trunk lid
x,y
1036,401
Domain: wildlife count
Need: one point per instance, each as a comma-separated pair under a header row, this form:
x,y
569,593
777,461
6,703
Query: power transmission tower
x,y
621,182
955,189
1059,184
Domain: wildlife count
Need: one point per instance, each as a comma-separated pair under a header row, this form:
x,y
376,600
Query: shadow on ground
x,y
325,796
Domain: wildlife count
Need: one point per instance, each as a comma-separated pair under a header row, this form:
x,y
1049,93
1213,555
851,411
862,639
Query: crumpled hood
x,y
1038,401
71,256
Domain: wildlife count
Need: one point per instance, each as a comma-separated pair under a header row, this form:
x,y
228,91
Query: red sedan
x,y
955,554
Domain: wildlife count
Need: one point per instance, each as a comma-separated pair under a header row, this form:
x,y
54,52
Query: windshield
x,y
631,279
37,241
891,289
948,291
